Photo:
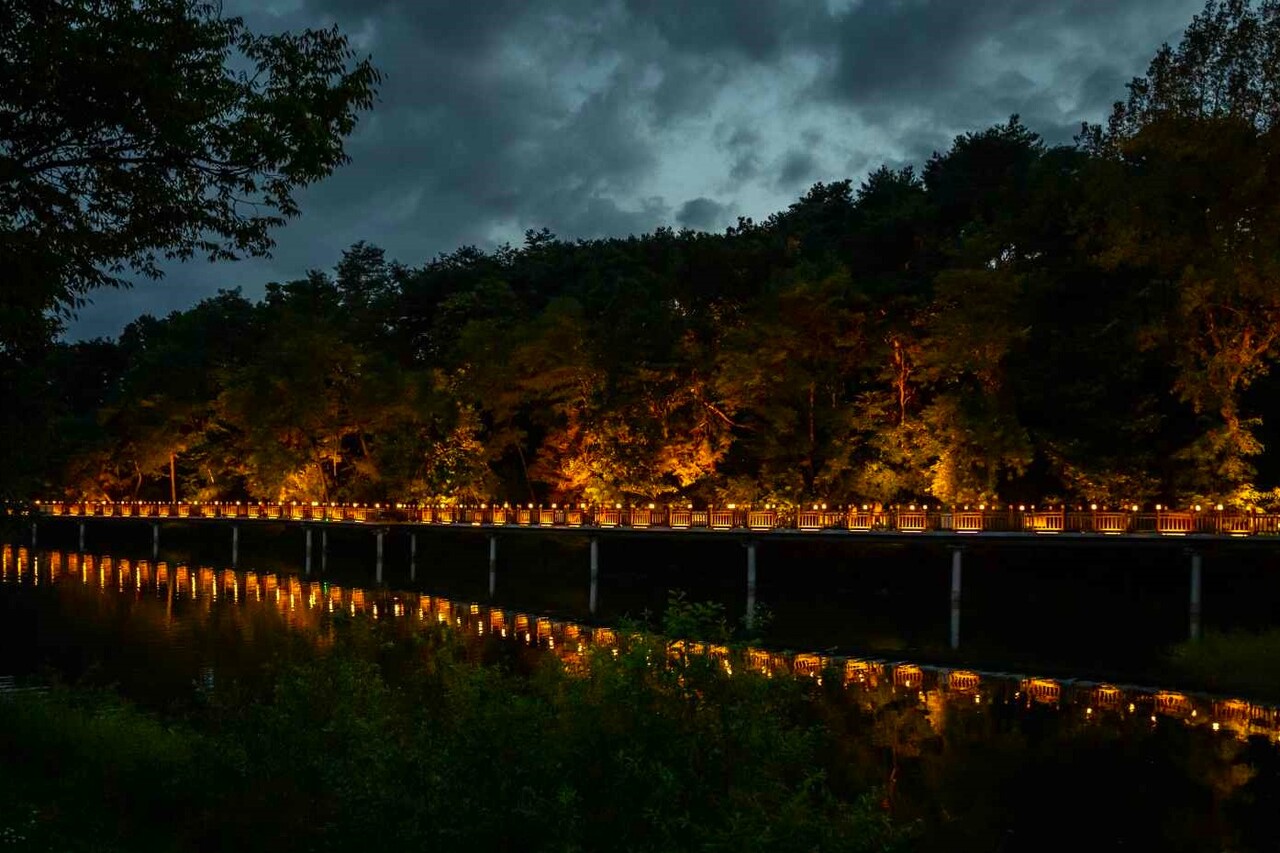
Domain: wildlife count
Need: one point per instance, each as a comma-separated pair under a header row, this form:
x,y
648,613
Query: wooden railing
x,y
1102,522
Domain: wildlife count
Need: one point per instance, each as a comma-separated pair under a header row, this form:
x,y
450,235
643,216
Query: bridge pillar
x,y
413,556
593,597
34,537
377,576
82,537
155,540
750,618
955,597
1195,595
235,545
324,550
493,564
307,565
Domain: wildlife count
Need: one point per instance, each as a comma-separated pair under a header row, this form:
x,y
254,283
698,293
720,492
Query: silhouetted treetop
x,y
137,130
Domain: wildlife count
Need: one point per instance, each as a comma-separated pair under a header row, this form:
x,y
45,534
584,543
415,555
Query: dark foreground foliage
x,y
408,744
389,740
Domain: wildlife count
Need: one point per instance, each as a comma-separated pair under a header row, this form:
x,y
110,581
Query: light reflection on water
x,y
176,594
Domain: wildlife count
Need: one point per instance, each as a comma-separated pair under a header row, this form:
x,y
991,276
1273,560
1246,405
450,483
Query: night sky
x,y
596,118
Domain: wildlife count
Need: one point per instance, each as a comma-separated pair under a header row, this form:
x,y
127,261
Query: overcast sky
x,y
613,117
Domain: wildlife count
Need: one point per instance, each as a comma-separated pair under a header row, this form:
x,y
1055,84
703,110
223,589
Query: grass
x,y
1236,662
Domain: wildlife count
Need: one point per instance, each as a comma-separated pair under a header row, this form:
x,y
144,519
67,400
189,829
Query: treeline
x,y
1013,321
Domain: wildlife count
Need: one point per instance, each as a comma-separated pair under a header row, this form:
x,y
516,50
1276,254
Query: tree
x,y
1188,164
133,131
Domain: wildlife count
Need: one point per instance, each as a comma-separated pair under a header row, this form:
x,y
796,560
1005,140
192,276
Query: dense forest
x,y
1011,321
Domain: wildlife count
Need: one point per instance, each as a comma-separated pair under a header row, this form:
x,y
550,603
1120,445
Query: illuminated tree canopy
x,y
1011,321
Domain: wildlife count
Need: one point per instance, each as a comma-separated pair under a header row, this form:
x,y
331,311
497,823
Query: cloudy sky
x,y
611,117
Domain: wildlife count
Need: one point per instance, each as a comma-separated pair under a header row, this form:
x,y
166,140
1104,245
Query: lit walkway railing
x,y
910,519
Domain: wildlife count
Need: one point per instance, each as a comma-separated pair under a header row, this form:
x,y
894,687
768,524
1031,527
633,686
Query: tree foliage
x,y
131,132
1013,322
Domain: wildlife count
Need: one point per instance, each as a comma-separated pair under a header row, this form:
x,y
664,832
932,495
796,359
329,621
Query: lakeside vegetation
x,y
1012,321
387,739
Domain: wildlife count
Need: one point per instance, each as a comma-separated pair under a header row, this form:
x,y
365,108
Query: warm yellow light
x,y
1215,727
1135,507
1219,507
1158,507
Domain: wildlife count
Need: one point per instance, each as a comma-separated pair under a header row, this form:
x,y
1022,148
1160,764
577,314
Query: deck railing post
x,y
493,564
377,576
1195,596
593,597
955,597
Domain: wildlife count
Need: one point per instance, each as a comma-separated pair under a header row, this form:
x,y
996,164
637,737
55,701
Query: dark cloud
x,y
702,214
947,67
597,117
797,167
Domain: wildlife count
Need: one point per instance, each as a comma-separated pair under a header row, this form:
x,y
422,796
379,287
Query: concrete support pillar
x,y
493,564
955,597
594,597
235,545
413,556
324,549
82,537
306,568
377,575
751,585
155,540
1195,595
34,538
